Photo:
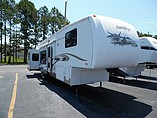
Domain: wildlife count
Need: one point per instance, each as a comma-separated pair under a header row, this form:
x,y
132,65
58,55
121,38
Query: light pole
x,y
65,19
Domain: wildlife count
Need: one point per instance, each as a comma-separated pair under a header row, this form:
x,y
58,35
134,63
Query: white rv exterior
x,y
80,52
148,56
33,59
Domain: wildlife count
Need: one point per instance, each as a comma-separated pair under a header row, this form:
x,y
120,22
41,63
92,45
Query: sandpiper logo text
x,y
123,28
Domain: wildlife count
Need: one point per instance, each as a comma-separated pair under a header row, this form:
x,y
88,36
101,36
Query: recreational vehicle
x,y
81,52
148,56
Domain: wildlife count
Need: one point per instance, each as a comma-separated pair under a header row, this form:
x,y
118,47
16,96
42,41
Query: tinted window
x,y
49,51
35,57
42,55
71,38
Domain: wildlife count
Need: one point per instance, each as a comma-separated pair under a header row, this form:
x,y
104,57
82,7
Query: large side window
x,y
35,57
71,38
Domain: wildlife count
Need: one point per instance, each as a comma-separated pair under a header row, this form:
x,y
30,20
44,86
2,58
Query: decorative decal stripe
x,y
75,56
65,57
61,57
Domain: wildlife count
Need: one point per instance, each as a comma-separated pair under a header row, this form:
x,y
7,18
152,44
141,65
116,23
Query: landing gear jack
x,y
76,92
100,84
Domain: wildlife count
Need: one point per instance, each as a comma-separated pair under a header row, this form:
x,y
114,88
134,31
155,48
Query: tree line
x,y
25,25
140,34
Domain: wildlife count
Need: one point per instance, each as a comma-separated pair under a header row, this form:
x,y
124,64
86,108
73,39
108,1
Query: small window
x,y
71,38
35,57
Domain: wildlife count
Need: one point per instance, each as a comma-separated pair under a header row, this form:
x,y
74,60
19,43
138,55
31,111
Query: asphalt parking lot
x,y
38,98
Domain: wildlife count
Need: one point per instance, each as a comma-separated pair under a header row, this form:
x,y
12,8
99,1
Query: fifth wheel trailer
x,y
81,52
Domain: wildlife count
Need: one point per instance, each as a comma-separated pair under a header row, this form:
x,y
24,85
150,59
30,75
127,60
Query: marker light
x,y
94,15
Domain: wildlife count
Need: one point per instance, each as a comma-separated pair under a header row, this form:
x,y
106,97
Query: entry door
x,y
53,55
49,58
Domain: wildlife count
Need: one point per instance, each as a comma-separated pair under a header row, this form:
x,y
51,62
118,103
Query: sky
x,y
142,14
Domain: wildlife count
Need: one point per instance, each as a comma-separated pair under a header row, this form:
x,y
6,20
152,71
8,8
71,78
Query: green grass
x,y
18,61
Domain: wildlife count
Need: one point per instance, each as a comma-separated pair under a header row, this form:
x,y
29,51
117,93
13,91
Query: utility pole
x,y
1,25
5,45
65,17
